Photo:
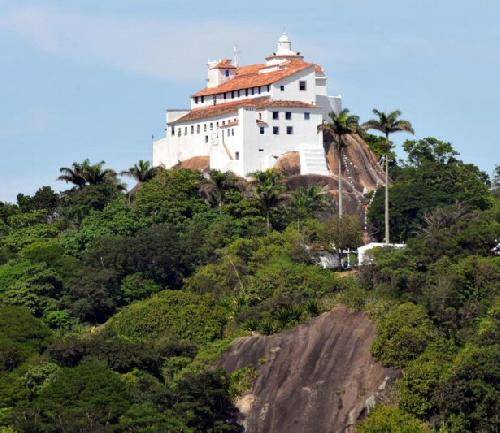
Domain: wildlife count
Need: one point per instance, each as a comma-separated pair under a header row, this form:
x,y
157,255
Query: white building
x,y
248,116
365,252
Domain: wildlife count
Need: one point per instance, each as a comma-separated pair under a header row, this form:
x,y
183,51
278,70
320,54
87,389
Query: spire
x,y
236,53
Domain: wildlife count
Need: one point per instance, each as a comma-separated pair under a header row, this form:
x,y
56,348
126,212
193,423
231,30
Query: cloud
x,y
169,49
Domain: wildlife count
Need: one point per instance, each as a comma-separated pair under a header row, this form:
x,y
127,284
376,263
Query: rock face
x,y
316,378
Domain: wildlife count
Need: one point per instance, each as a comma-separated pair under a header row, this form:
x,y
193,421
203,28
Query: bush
x,y
21,336
421,380
179,314
402,335
389,419
135,287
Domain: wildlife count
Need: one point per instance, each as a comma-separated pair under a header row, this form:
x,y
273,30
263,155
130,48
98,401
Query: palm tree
x,y
142,172
307,200
217,184
95,174
334,132
85,173
74,174
388,123
268,191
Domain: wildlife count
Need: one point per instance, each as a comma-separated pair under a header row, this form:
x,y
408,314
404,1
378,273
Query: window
x,y
268,87
214,99
289,130
302,85
211,126
260,116
223,122
258,90
205,127
192,129
232,94
196,99
206,138
185,130
227,72
282,88
179,132
237,155
276,130
217,124
238,94
232,132
225,95
288,115
253,90
173,130
198,129
275,115
246,92
307,115
202,99
262,130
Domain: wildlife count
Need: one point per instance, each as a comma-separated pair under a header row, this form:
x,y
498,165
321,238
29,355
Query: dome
x,y
284,38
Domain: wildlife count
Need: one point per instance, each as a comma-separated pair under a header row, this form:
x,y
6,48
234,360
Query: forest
x,y
115,305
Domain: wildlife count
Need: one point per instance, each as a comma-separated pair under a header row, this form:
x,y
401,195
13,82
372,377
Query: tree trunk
x,y
387,236
340,182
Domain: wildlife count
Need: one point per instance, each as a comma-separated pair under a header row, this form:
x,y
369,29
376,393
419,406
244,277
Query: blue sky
x,y
92,78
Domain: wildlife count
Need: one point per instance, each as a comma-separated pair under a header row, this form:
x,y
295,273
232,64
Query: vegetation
x,y
334,132
387,124
115,308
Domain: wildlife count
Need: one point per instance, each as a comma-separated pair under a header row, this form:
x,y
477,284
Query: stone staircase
x,y
313,161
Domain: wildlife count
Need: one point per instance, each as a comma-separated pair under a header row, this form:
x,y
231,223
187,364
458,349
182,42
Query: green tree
x,y
21,336
217,185
172,196
402,335
468,396
43,199
268,190
334,132
431,177
388,123
86,173
390,419
89,397
305,201
339,234
142,172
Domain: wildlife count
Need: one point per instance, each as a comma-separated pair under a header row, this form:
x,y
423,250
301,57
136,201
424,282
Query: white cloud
x,y
166,49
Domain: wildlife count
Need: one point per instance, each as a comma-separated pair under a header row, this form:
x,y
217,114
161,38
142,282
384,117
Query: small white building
x,y
247,116
365,252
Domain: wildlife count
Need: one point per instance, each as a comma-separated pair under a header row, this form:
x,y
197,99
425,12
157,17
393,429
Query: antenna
x,y
236,53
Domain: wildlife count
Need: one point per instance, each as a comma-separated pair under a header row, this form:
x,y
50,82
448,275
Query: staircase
x,y
313,161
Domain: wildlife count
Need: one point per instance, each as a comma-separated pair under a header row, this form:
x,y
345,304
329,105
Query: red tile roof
x,y
232,107
224,64
249,76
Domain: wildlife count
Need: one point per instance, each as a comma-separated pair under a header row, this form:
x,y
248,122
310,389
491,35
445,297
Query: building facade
x,y
248,116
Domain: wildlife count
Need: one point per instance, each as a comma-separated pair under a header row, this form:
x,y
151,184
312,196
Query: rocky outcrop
x,y
361,169
289,163
316,378
195,163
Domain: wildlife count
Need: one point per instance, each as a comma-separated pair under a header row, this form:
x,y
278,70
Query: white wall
x,y
292,91
304,135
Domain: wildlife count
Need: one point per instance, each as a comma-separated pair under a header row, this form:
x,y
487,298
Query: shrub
x,y
389,419
402,335
178,314
135,287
